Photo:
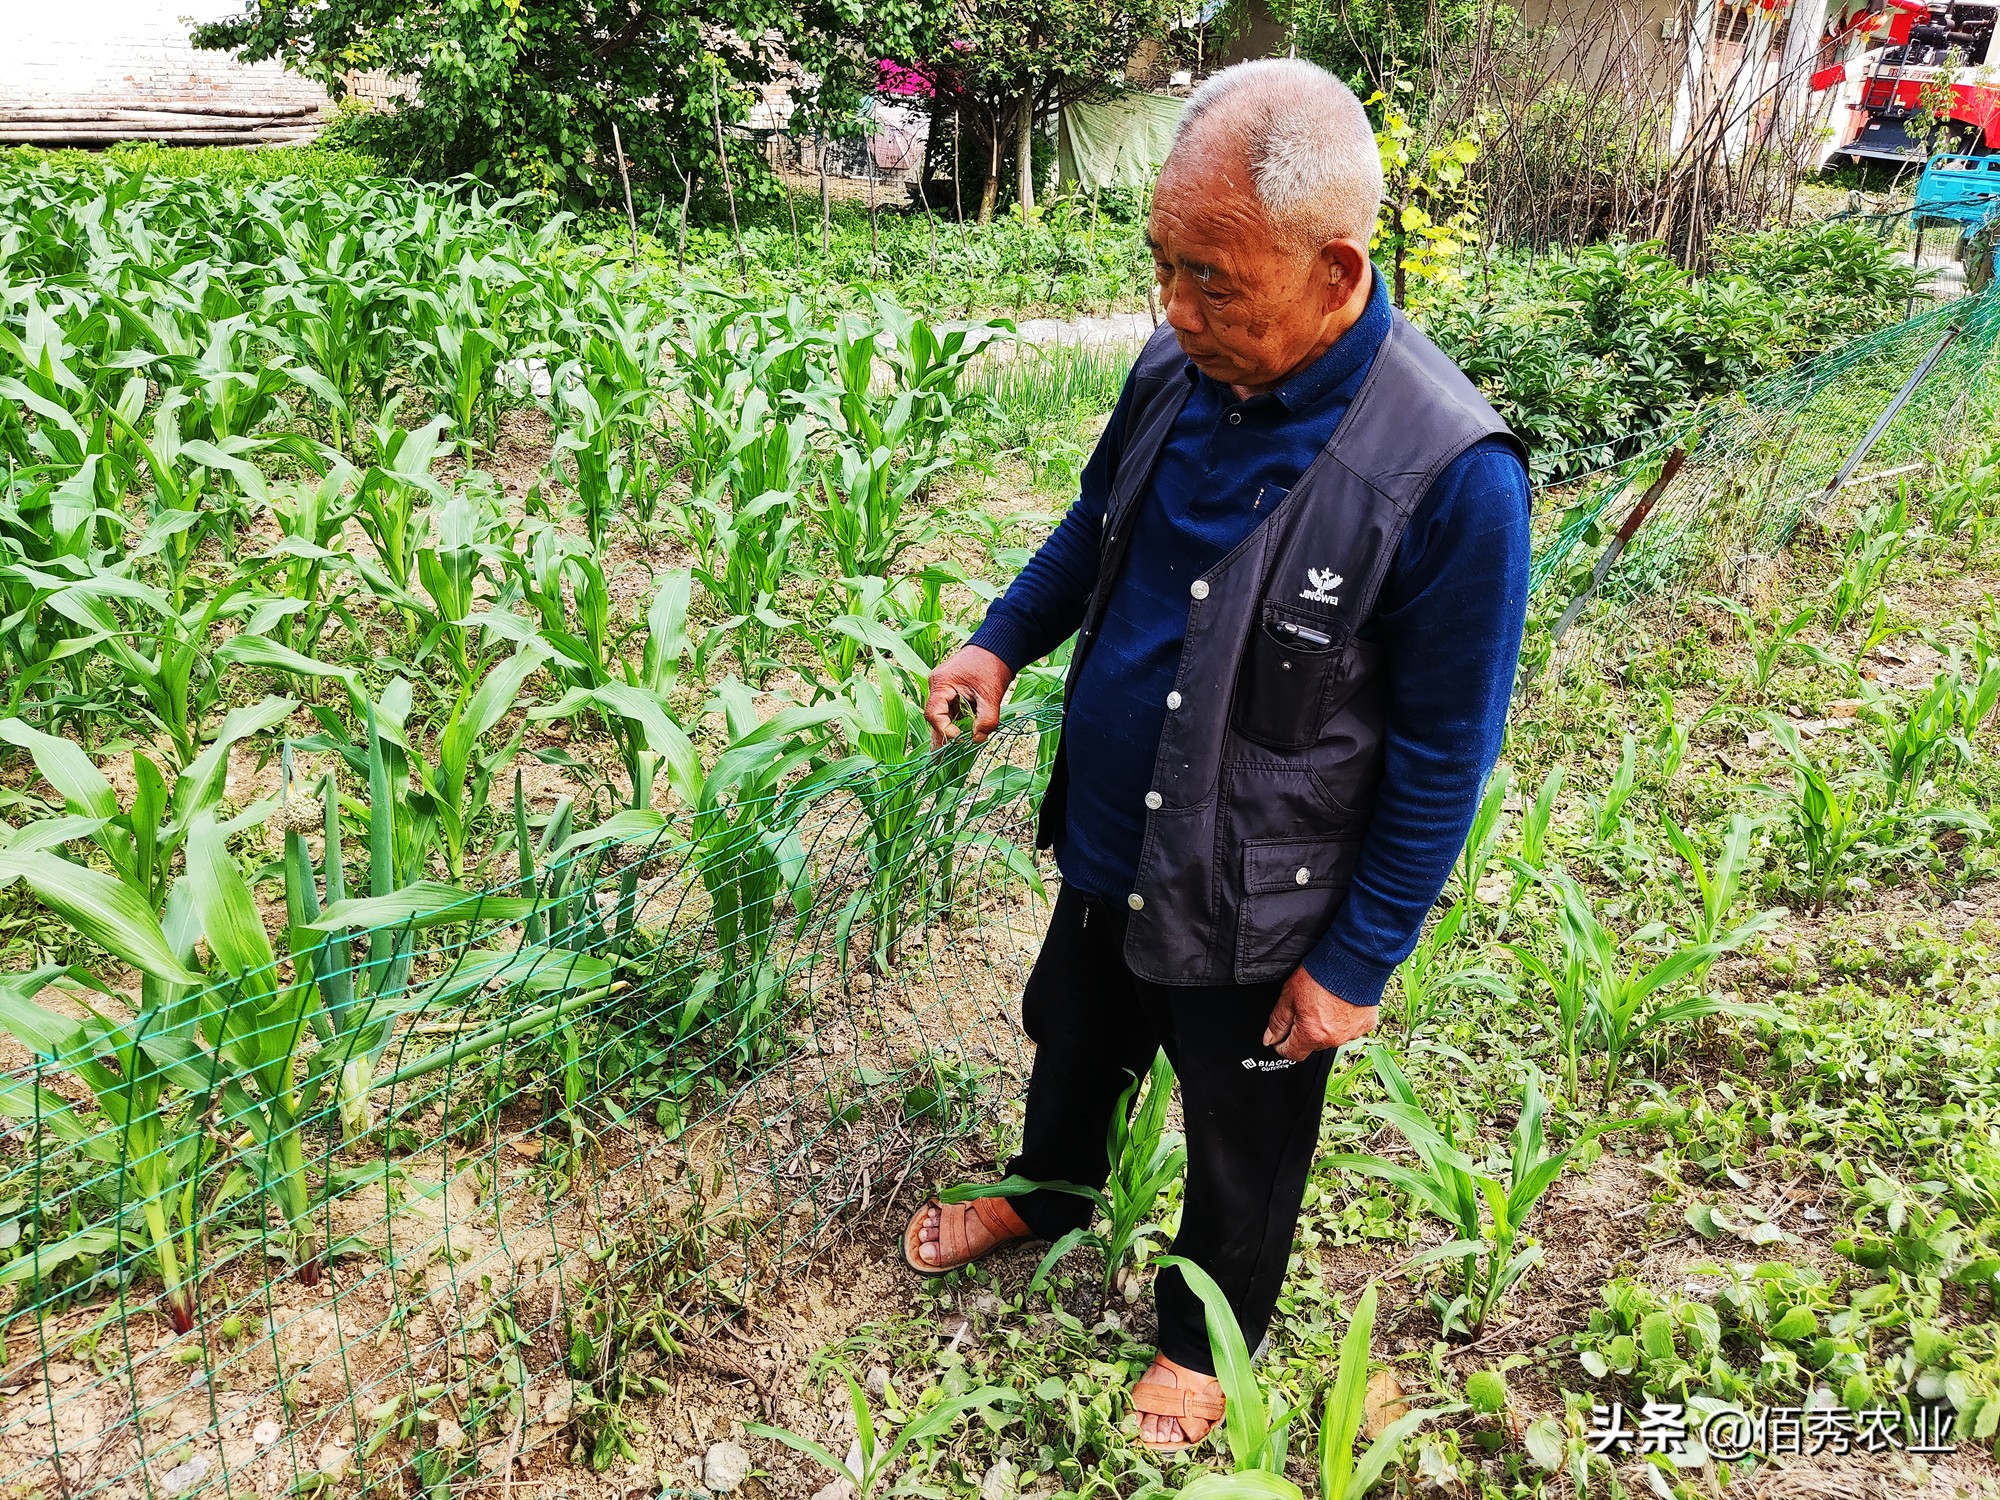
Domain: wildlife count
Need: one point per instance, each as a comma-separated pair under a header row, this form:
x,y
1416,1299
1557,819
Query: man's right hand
x,y
972,676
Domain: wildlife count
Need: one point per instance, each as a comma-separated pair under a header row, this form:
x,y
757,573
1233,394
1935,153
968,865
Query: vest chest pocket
x,y
1281,689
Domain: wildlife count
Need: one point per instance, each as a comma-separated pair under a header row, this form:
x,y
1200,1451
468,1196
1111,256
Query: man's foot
x,y
944,1236
1177,1407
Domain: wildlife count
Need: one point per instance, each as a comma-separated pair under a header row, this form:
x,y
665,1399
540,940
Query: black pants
x,y
1252,1117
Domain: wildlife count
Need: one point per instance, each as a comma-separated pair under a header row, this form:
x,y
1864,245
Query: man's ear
x,y
1345,263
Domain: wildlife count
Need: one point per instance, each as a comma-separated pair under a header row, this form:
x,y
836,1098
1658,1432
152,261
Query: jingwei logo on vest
x,y
1322,581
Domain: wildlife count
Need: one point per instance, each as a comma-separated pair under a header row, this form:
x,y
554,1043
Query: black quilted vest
x,y
1267,768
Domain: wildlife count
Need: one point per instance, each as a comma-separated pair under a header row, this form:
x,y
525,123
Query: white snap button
x,y
1173,700
1154,799
1199,588
1136,901
1303,876
1235,417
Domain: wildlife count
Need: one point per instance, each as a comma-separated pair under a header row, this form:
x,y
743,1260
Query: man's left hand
x,y
1310,1018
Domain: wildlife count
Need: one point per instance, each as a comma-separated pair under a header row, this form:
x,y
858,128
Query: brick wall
x,y
78,54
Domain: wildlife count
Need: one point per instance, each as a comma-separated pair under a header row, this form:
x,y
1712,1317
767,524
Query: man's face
x,y
1249,309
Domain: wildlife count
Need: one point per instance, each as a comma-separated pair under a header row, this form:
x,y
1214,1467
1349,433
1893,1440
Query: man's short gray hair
x,y
1313,160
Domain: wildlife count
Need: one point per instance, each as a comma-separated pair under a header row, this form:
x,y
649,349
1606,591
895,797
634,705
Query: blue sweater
x,y
1449,616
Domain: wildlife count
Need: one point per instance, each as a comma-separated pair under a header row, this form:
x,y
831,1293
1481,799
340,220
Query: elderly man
x,y
1296,574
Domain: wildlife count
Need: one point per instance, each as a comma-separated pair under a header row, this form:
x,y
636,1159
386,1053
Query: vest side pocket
x,y
1291,889
1281,689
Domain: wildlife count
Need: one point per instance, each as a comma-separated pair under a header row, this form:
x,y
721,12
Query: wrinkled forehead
x,y
1207,218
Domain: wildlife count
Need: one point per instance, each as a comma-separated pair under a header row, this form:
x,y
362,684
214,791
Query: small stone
x,y
878,1381
839,1489
267,1432
1001,1482
450,1435
724,1467
333,1460
559,1405
184,1477
60,1370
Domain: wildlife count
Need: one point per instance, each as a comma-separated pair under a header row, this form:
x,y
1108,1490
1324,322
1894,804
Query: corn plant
x,y
1436,970
605,466
1484,1206
1840,824
922,812
743,842
1973,676
360,1002
1624,982
166,661
875,1455
1607,813
1711,890
866,510
1880,538
915,411
741,528
299,567
1144,1159
393,486
1257,1433
1771,639
1910,737
460,543
592,655
1342,1474
1537,820
1483,838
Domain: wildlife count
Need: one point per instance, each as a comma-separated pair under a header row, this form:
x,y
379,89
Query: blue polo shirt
x,y
1449,616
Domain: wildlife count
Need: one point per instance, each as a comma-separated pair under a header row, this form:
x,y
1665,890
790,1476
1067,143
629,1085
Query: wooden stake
x,y
825,200
632,219
687,199
728,189
792,203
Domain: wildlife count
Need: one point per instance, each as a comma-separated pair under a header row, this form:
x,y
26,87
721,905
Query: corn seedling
x,y
1607,813
1476,857
1144,1159
1484,1207
875,1454
1436,970
1771,639
1879,539
1537,818
923,814
1257,1434
1625,982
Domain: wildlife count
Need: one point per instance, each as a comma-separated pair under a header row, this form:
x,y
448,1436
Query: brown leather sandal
x,y
1187,1396
996,1215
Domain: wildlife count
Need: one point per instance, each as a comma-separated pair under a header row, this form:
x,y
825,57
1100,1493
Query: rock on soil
x,y
724,1467
999,1482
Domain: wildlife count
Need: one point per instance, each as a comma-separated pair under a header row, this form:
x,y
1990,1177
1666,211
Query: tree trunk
x,y
1024,146
990,194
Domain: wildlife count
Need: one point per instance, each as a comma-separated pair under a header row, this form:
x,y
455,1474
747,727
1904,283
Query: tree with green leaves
x,y
1000,65
1372,44
525,93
